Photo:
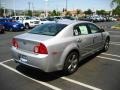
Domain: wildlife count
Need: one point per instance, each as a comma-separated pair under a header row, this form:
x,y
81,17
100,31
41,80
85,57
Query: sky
x,y
58,4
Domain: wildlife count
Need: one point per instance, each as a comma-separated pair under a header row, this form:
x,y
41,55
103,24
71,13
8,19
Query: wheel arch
x,y
67,50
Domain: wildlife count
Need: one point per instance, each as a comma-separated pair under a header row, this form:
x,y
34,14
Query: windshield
x,y
50,29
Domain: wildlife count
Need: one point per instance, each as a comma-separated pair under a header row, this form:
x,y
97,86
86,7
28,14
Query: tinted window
x,y
93,28
80,30
48,29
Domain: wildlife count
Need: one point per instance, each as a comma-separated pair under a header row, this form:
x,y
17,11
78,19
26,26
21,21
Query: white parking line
x,y
46,84
109,58
117,36
81,84
7,61
115,44
111,54
40,82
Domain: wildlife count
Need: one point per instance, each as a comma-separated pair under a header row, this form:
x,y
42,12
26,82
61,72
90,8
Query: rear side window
x,y
51,29
80,30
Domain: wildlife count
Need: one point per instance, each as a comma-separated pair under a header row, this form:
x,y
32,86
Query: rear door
x,y
83,38
97,36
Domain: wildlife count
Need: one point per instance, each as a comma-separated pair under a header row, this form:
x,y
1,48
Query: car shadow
x,y
46,77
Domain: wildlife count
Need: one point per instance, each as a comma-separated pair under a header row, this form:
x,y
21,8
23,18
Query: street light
x,y
46,8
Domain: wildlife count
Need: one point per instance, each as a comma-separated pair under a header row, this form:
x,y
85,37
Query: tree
x,y
116,11
78,12
101,12
1,12
54,13
88,12
117,2
29,13
68,13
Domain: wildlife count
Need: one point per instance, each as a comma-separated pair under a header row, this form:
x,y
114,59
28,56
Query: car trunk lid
x,y
28,41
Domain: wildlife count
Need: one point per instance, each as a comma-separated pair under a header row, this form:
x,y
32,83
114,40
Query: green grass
x,y
117,26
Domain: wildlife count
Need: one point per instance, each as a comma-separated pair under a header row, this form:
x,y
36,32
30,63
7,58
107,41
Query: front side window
x,y
93,28
48,29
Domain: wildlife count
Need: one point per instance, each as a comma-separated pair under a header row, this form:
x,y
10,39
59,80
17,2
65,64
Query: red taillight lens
x,y
14,43
41,49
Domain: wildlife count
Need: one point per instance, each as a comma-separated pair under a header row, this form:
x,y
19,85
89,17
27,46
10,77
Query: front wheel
x,y
71,63
106,45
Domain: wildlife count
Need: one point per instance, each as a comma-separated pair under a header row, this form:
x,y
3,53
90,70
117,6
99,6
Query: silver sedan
x,y
59,46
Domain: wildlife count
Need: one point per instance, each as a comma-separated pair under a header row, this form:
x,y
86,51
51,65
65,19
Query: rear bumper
x,y
33,60
42,62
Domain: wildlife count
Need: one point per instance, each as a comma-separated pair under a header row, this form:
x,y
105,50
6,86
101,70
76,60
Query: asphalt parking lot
x,y
98,72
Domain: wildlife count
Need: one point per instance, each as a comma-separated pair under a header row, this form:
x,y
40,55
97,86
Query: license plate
x,y
23,58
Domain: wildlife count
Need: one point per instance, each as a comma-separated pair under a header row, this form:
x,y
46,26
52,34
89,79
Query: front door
x,y
97,36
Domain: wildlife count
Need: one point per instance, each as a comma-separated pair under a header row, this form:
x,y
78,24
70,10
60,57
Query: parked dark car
x,y
11,24
2,29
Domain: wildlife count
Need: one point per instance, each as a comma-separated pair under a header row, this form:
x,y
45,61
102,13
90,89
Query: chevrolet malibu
x,y
59,46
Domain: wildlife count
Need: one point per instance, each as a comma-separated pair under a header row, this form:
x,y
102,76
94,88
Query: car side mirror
x,y
102,30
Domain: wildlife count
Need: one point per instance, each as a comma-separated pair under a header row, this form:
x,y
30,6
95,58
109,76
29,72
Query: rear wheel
x,y
27,26
71,63
106,45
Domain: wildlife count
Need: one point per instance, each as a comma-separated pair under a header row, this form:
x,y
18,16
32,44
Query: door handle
x,y
95,36
79,40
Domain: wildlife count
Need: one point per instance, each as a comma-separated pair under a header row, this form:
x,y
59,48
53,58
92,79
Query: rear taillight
x,y
14,43
40,49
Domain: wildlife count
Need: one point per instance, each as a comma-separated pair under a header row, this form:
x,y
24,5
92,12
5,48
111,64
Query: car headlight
x,y
15,25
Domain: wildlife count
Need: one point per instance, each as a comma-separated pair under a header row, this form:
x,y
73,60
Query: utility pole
x,y
29,4
14,8
0,4
66,5
4,12
32,9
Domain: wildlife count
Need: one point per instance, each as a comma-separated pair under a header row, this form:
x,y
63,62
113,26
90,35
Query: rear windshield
x,y
50,29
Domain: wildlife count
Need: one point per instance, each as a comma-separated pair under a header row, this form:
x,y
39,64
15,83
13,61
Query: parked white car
x,y
43,21
59,46
27,21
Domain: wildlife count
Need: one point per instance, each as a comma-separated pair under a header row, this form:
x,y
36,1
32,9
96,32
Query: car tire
x,y
106,45
27,26
71,63
10,29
